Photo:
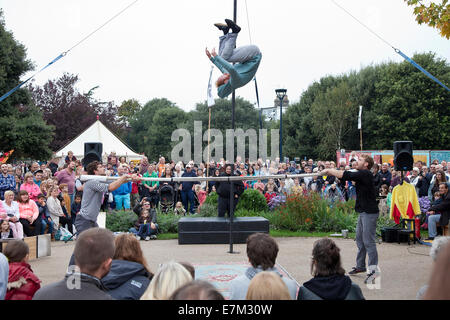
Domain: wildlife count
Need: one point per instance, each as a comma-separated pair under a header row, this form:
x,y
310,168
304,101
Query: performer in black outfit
x,y
366,206
223,190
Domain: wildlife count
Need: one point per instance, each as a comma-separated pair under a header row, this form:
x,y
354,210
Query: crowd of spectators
x,y
41,197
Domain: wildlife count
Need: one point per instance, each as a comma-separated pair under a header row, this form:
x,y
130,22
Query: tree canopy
x,y
23,129
435,14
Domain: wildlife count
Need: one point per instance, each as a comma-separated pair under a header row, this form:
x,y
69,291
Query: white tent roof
x,y
99,133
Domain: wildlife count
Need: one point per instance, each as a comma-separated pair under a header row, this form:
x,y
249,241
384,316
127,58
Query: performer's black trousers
x,y
224,206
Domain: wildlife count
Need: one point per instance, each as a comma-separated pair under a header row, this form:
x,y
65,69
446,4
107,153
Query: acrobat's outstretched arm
x,y
220,63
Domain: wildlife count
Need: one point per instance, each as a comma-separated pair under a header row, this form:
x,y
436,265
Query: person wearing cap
x,y
187,189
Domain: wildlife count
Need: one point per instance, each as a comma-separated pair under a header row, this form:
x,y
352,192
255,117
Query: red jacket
x,y
22,282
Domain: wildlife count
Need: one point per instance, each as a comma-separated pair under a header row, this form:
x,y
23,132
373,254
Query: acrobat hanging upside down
x,y
247,59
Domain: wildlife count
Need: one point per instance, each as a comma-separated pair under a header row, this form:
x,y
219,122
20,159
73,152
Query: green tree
x,y
128,110
332,115
435,14
151,128
23,129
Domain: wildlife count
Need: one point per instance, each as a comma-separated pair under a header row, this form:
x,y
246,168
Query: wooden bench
x,y
39,245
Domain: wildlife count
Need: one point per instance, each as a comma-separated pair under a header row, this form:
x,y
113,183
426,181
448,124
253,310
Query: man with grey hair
x,y
438,244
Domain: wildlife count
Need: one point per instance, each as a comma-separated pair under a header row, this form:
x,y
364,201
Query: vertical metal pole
x,y
281,130
233,105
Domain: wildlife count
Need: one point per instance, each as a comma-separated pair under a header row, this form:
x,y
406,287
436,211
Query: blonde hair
x,y
7,193
169,277
27,175
267,285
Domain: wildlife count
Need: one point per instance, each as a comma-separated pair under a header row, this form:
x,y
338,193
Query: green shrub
x,y
208,210
120,221
212,199
252,200
168,223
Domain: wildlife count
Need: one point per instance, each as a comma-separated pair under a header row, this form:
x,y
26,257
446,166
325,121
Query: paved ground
x,y
403,269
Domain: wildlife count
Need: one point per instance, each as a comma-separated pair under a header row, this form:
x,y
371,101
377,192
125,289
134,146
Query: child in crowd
x,y
75,207
22,282
297,188
382,202
145,227
179,209
45,215
67,219
65,193
437,199
201,195
6,232
259,186
270,193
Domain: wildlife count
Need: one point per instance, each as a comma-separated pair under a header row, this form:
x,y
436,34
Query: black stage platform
x,y
216,230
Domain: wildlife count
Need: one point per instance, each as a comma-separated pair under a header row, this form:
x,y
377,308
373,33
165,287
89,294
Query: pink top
x,y
32,189
201,196
64,177
29,209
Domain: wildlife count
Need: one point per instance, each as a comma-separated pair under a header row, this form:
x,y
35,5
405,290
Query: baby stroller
x,y
167,198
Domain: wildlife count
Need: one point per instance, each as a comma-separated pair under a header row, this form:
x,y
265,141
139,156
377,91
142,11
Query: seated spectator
x,y
29,214
38,174
144,227
267,285
262,251
197,290
440,278
189,267
5,230
129,275
45,216
94,251
333,194
439,212
9,212
272,183
330,281
30,187
22,282
438,244
54,208
169,277
315,184
179,209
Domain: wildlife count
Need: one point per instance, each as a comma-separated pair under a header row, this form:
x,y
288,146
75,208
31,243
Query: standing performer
x,y
366,206
93,192
247,59
223,190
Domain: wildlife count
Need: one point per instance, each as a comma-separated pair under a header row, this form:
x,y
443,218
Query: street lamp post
x,y
281,93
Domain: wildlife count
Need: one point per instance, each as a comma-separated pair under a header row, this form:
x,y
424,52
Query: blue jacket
x,y
123,189
126,280
240,73
187,185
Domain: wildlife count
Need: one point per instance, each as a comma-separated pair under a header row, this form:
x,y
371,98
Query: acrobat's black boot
x,y
223,27
234,27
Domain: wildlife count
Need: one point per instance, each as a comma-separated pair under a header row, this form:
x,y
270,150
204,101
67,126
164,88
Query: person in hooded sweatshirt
x,y
330,281
129,275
